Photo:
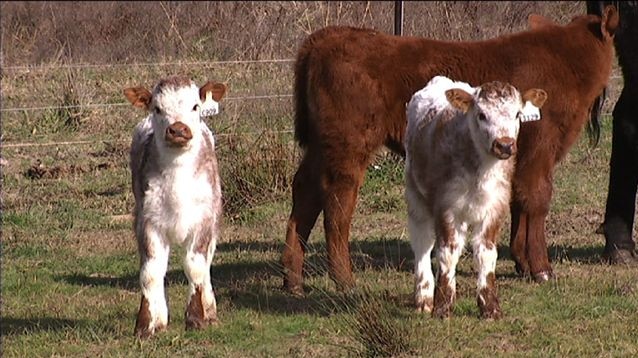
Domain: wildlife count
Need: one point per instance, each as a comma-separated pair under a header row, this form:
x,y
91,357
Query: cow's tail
x,y
302,112
593,126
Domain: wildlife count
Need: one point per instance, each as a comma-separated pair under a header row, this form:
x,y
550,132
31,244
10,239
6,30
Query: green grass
x,y
70,266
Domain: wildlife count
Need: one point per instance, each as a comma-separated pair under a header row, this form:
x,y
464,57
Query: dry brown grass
x,y
108,32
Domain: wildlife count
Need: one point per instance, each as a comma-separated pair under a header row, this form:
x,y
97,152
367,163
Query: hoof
x,y
492,315
621,257
424,305
193,323
443,312
296,290
146,332
543,276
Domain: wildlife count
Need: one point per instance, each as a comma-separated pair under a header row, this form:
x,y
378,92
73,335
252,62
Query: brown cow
x,y
351,89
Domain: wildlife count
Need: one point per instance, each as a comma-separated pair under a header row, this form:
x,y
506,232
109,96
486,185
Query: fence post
x,y
398,18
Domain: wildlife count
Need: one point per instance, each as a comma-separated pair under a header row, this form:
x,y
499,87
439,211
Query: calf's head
x,y
175,107
494,112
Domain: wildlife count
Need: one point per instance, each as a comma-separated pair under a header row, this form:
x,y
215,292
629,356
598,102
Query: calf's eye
x,y
482,117
158,110
196,107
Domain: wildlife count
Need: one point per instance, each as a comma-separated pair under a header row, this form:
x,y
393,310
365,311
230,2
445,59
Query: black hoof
x,y
621,257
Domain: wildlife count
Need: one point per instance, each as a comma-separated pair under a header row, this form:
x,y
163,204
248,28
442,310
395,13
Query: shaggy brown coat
x,y
351,88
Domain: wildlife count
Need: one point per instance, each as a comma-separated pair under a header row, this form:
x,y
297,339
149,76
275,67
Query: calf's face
x,y
175,105
175,113
494,114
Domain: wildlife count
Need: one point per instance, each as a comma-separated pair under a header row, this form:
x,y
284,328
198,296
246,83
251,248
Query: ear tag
x,y
530,113
209,106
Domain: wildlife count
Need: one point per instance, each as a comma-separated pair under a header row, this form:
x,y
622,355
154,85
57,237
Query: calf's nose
x,y
178,134
504,147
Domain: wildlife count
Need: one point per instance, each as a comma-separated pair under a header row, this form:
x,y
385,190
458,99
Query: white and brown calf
x,y
178,199
460,153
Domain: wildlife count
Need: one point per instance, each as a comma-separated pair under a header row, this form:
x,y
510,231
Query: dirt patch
x,y
41,171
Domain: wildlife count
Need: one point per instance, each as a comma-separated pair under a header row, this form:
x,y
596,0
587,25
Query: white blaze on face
x,y
181,104
495,118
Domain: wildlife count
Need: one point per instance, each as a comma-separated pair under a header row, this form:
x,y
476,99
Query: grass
x,y
69,278
69,263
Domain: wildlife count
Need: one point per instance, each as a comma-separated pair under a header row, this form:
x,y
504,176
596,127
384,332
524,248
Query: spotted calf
x,y
177,197
460,156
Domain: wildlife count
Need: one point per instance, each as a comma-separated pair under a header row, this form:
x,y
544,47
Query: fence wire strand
x,y
37,68
121,104
144,64
105,141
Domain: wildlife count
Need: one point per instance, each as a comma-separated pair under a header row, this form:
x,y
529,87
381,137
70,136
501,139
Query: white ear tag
x,y
530,113
209,106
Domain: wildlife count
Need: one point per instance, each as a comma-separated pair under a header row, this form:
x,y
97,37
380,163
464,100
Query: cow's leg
x,y
341,186
152,316
518,240
623,181
536,210
306,206
485,255
201,310
422,240
532,193
451,239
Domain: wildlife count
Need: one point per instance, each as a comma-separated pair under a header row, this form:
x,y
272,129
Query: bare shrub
x,y
106,32
371,324
255,172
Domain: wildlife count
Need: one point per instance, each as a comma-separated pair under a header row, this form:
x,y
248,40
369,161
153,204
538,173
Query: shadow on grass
x,y
244,245
16,326
257,284
589,255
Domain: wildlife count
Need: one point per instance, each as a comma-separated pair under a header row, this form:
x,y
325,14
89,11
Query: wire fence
x,y
83,142
144,64
122,104
37,68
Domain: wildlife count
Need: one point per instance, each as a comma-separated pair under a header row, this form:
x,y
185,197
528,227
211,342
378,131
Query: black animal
x,y
620,247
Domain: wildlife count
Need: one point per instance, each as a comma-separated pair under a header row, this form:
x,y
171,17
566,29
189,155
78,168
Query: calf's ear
x,y
139,97
459,99
535,95
609,23
217,91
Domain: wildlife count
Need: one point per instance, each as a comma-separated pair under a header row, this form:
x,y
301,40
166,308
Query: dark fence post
x,y
398,18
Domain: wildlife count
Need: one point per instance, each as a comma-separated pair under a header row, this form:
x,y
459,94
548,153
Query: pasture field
x,y
70,288
69,265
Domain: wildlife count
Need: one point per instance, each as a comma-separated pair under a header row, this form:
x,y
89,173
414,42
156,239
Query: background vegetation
x,y
69,261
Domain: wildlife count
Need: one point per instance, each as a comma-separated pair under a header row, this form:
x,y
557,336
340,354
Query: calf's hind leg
x,y
341,188
306,206
532,195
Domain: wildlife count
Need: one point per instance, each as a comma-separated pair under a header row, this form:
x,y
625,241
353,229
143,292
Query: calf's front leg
x,y
451,242
152,316
422,240
485,255
201,310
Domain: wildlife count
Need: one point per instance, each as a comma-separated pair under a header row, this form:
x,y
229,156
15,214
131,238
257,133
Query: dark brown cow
x,y
351,89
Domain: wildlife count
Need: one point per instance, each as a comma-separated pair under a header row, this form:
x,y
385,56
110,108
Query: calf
x,y
177,197
460,149
351,86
